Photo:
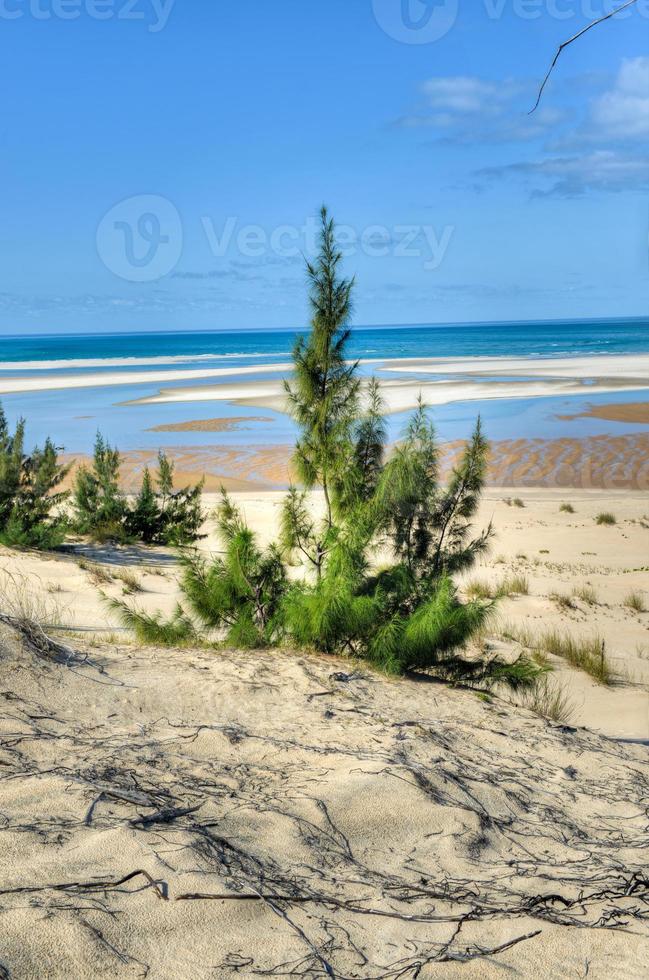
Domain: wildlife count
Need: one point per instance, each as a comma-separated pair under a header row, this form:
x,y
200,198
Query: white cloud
x,y
462,94
623,112
466,109
602,170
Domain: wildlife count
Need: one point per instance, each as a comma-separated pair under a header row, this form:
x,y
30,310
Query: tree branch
x,y
561,48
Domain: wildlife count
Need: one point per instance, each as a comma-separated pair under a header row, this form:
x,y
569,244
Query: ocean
x,y
525,339
73,415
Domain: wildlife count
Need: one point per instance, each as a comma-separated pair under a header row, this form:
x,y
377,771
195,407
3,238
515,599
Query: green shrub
x,y
606,519
29,500
152,628
100,507
566,509
240,592
403,617
171,517
160,515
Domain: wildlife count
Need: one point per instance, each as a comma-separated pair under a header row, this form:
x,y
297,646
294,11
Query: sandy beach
x,y
438,380
324,491
215,813
557,552
597,462
631,412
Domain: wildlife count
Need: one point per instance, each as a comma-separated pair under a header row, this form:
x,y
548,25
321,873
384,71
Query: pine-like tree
x,y
101,509
11,456
323,394
181,511
242,591
144,522
30,515
405,615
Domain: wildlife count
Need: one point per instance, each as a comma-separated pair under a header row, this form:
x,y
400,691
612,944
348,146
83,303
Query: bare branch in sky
x,y
584,30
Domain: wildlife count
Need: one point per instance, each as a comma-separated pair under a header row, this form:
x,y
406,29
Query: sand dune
x,y
202,813
558,554
192,814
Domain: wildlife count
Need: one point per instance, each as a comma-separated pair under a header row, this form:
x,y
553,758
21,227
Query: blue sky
x,y
161,167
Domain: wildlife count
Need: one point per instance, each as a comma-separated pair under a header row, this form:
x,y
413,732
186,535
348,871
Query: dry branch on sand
x,y
255,814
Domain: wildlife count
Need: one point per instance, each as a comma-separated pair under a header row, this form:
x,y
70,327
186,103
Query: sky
x,y
162,163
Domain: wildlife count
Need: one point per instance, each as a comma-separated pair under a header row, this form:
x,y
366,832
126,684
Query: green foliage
x,y
144,521
181,512
101,510
160,515
606,519
360,477
407,616
29,504
241,591
323,394
151,628
402,617
430,525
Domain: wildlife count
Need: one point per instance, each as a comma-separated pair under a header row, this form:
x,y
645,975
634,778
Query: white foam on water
x,y
100,362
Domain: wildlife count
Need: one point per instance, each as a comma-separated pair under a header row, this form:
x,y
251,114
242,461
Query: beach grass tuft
x,y
130,581
514,585
566,509
588,654
562,600
477,589
98,575
511,585
547,698
636,602
606,519
587,594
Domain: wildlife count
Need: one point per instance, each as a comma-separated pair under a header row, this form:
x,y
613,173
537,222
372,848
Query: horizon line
x,y
364,326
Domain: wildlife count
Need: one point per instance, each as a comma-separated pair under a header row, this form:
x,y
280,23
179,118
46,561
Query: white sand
x,y
103,362
477,379
628,366
56,382
384,813
557,553
372,826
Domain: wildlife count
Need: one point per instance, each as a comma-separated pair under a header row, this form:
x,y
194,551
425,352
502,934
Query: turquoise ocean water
x,y
73,416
